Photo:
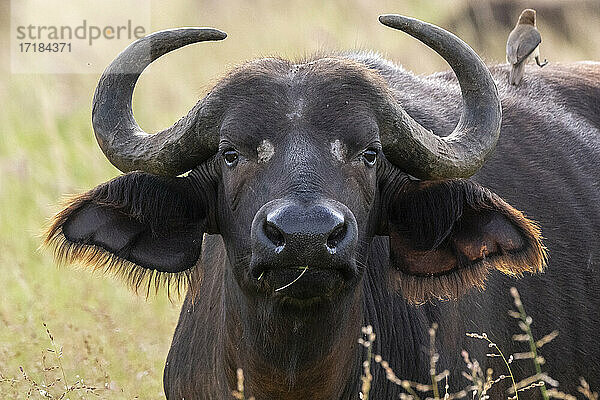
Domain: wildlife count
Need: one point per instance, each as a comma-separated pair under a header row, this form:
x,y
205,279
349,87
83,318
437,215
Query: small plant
x,y
539,379
367,377
411,388
239,392
481,382
584,389
499,353
433,358
49,387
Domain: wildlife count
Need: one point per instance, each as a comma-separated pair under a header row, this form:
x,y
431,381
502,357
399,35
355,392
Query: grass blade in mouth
x,y
294,281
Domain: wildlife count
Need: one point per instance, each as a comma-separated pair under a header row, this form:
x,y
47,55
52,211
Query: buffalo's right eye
x,y
231,157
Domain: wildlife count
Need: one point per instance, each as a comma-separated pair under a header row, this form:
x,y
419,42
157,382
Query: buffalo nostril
x,y
336,237
273,234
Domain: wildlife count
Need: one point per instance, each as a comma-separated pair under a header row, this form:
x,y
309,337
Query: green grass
x,y
112,339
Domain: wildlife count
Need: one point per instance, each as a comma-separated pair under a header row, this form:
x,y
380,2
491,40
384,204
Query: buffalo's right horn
x,y
172,151
425,155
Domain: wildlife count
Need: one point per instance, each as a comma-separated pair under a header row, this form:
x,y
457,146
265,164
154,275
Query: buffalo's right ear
x,y
144,227
447,236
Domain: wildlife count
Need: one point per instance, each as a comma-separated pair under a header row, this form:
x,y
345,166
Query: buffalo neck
x,y
289,352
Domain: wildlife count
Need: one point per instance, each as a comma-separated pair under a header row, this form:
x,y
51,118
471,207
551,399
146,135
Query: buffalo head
x,y
298,167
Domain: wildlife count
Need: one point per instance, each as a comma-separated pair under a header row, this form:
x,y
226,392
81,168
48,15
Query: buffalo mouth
x,y
303,283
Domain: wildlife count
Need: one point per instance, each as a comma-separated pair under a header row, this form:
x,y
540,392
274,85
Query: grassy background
x,y
117,341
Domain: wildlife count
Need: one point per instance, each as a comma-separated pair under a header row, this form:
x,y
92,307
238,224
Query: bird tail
x,y
516,73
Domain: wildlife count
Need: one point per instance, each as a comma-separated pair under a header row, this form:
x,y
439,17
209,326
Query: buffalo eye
x,y
370,157
231,157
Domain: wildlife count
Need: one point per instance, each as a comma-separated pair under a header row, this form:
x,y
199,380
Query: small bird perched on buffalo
x,y
523,43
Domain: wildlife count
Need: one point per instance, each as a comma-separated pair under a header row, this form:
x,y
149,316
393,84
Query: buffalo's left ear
x,y
144,227
446,237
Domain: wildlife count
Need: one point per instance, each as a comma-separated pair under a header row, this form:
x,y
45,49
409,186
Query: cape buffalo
x,y
389,192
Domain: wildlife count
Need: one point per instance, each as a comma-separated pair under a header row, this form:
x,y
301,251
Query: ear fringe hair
x,y
141,280
451,286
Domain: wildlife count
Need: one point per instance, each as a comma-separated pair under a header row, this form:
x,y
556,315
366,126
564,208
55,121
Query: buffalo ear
x,y
143,227
447,236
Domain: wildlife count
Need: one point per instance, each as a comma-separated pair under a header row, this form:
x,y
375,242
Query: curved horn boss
x,y
172,151
418,151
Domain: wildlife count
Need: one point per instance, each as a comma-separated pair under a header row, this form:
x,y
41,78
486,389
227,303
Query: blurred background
x,y
112,339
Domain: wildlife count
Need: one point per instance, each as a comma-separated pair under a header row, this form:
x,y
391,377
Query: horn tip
x,y
218,34
208,33
196,34
393,20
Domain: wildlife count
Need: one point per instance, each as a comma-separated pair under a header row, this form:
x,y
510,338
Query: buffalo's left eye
x,y
370,157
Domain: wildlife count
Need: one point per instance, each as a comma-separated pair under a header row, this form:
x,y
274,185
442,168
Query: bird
x,y
522,44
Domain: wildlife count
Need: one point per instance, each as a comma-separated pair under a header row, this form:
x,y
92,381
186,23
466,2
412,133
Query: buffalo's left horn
x,y
172,151
425,155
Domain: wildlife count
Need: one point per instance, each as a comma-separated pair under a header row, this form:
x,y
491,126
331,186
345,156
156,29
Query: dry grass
x,y
480,382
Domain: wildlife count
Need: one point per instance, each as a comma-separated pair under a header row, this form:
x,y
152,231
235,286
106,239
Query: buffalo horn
x,y
172,151
419,151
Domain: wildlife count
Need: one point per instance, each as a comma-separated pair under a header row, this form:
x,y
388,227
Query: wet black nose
x,y
291,234
317,226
